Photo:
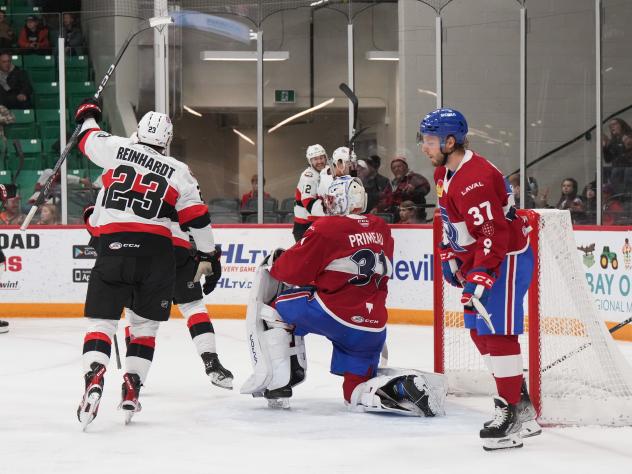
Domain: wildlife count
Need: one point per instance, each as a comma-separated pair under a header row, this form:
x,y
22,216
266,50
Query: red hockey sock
x,y
351,381
506,364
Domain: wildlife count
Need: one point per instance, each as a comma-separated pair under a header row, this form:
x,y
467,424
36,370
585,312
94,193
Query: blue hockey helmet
x,y
443,123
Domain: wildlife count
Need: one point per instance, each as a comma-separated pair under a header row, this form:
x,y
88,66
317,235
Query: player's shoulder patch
x,y
102,134
308,174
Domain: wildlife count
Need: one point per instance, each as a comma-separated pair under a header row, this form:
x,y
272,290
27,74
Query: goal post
x,y
575,371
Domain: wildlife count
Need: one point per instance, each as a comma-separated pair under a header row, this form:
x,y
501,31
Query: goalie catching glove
x,y
478,284
210,266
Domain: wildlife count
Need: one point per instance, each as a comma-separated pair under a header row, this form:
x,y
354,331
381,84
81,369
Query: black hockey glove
x,y
272,257
210,266
89,108
2,260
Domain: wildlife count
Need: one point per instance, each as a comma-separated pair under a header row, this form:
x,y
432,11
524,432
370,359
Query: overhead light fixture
x,y
243,55
300,114
191,111
243,137
382,55
317,3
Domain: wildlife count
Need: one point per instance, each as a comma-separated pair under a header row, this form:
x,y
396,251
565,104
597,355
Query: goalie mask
x,y
155,129
345,196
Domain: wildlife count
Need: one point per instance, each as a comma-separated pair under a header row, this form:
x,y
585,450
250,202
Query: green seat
x,y
31,162
49,121
40,68
84,89
77,69
46,95
24,125
5,177
32,147
16,59
26,182
94,172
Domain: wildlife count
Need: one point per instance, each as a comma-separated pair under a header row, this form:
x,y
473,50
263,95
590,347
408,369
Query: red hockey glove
x,y
450,266
89,108
478,284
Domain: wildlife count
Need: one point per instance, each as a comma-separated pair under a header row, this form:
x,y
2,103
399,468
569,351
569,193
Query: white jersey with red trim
x,y
143,194
308,206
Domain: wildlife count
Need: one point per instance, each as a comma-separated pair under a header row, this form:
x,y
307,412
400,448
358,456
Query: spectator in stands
x,y
252,194
34,37
613,207
7,35
6,117
73,37
589,196
570,200
377,187
409,213
15,87
614,151
48,215
12,212
514,180
407,186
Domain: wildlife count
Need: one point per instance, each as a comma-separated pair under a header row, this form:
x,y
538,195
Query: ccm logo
x,y
483,279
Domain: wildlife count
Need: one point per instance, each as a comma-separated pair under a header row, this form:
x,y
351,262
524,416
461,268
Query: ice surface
x,y
188,426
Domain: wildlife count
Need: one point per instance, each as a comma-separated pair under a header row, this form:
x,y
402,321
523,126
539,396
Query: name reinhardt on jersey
x,y
143,194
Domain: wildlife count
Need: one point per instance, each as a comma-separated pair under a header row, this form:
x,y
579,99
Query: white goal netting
x,y
575,370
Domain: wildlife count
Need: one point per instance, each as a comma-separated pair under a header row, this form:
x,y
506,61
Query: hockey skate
x,y
89,406
526,413
220,376
279,398
129,396
4,327
504,430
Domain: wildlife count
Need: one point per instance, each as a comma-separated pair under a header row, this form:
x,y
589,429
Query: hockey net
x,y
576,373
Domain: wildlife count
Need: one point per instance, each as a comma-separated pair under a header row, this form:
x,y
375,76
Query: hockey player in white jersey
x,y
308,206
343,161
143,192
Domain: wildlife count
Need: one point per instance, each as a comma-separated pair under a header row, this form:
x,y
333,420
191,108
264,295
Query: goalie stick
x,y
145,25
584,346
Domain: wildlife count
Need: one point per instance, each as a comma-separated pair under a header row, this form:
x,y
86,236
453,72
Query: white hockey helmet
x,y
155,128
343,154
345,195
313,151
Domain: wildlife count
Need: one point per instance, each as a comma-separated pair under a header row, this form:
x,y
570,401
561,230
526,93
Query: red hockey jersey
x,y
349,261
479,219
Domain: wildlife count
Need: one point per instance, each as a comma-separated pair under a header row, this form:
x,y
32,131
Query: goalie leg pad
x,y
407,392
298,361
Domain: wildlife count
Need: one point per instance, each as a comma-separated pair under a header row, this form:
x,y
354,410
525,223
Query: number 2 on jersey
x,y
475,212
143,194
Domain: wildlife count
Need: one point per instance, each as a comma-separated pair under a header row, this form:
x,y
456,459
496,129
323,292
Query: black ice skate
x,y
4,327
504,430
129,396
279,397
89,406
526,413
220,376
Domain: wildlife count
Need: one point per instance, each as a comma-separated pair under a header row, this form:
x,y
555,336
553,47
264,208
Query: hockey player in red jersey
x,y
486,252
308,206
143,192
341,268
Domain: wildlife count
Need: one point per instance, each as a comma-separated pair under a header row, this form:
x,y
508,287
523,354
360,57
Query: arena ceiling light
x,y
243,137
242,56
300,114
382,55
191,111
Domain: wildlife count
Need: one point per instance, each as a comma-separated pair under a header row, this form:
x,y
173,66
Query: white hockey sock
x,y
200,326
97,343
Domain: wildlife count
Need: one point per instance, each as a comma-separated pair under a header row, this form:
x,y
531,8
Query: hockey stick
x,y
145,25
18,149
117,353
584,346
484,314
